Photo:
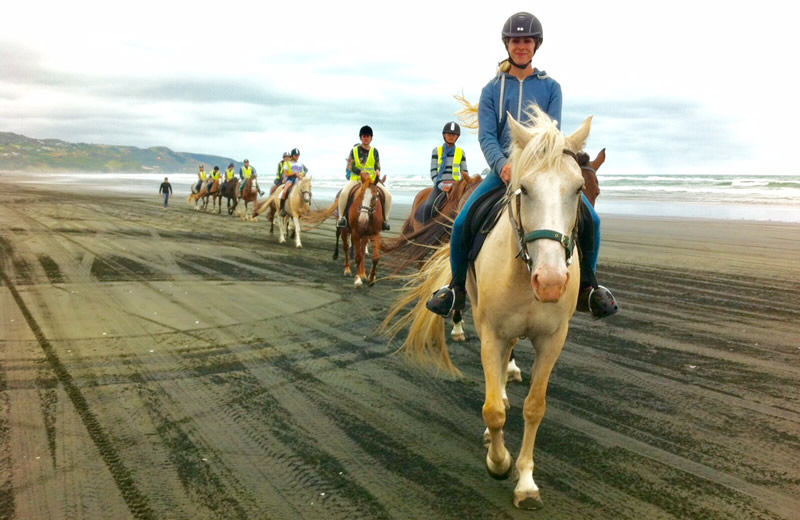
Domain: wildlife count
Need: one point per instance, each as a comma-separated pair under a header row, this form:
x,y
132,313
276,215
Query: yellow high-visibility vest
x,y
247,172
369,167
201,174
229,173
456,161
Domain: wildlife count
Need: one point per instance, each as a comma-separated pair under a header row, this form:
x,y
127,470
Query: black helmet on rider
x,y
365,130
295,151
523,25
451,128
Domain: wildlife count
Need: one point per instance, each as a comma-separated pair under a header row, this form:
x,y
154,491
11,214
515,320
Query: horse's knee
x,y
494,416
534,409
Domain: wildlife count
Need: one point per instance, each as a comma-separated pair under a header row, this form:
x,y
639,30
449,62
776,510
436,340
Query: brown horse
x,y
591,187
248,193
365,221
231,194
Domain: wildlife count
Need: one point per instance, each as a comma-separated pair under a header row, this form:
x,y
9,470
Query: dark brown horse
x,y
231,193
429,222
591,186
365,221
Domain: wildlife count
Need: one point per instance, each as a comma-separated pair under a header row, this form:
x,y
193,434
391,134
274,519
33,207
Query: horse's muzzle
x,y
549,285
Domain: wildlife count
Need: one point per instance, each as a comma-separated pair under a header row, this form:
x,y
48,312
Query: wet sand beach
x,y
182,365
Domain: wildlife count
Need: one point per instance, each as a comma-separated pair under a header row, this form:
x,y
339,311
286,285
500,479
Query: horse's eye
x,y
523,189
579,191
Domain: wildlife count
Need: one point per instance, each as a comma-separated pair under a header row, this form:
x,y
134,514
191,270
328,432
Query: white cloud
x,y
679,86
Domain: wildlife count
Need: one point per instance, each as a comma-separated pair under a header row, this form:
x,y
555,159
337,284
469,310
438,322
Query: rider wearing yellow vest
x,y
230,173
247,171
364,159
448,162
201,177
213,176
283,165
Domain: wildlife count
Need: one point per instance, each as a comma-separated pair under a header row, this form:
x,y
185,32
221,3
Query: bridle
x,y
523,238
372,202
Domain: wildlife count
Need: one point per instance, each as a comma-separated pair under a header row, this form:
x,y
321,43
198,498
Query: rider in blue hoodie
x,y
517,85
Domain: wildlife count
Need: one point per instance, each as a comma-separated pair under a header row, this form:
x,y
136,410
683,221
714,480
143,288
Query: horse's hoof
x,y
528,500
281,240
506,403
499,471
358,282
513,372
299,246
458,337
347,272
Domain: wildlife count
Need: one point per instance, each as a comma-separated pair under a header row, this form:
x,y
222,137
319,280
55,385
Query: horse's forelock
x,y
543,150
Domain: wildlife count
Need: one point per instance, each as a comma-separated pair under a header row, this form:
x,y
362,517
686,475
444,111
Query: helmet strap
x,y
517,65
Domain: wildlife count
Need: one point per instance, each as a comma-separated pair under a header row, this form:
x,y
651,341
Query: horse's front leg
x,y
548,349
494,356
297,242
346,251
376,256
360,246
282,225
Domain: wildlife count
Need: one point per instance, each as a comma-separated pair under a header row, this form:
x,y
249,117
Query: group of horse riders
x,y
245,172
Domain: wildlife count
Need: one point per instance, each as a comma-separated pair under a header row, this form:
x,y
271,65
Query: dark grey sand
x,y
174,364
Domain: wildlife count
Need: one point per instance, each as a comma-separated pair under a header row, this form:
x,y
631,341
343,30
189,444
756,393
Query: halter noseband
x,y
523,238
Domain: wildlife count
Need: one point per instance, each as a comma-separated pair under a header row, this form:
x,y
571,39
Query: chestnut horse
x,y
531,246
365,222
248,193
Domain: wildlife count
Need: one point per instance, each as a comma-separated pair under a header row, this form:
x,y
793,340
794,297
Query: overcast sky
x,y
674,87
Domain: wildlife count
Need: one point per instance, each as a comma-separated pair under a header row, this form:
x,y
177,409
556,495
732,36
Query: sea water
x,y
731,197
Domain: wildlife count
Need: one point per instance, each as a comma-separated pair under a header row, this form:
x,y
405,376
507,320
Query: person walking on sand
x,y
364,160
516,86
165,190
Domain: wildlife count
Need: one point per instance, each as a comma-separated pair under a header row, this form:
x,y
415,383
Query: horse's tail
x,y
315,218
426,341
261,207
413,247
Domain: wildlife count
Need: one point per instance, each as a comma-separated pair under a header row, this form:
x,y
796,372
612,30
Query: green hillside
x,y
20,153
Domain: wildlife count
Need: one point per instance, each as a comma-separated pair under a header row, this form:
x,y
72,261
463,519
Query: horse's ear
x,y
519,134
577,140
599,160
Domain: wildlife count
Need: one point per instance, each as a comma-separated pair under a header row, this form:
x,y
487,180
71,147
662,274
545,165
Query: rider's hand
x,y
447,187
505,173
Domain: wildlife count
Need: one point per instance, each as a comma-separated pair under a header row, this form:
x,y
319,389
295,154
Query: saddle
x,y
352,195
481,219
431,207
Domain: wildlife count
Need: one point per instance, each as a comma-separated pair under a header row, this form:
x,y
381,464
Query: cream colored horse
x,y
536,225
297,205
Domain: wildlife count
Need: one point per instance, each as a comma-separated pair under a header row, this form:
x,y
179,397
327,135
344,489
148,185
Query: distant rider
x,y
296,170
448,163
283,167
245,172
201,177
214,177
364,159
230,173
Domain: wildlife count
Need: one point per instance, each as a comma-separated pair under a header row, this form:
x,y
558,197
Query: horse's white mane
x,y
535,146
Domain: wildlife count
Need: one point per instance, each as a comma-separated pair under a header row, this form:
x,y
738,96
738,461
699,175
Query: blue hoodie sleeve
x,y
554,104
489,130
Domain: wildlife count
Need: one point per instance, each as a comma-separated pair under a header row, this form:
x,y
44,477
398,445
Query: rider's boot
x,y
283,211
592,297
385,226
342,223
449,298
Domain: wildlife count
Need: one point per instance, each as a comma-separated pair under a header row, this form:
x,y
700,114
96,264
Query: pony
x,y
231,193
298,204
248,193
365,222
197,194
215,194
532,245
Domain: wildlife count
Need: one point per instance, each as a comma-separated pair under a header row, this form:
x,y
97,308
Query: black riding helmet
x,y
523,25
295,151
451,128
365,130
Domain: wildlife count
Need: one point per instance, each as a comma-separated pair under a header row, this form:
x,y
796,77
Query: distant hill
x,y
20,153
